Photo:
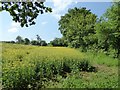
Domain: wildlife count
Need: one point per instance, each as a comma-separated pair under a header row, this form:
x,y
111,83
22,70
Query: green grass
x,y
101,59
37,67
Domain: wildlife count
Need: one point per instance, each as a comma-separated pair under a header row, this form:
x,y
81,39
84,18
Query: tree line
x,y
39,42
27,41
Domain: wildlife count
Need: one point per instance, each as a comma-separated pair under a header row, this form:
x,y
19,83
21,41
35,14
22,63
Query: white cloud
x,y
59,6
14,27
43,23
13,30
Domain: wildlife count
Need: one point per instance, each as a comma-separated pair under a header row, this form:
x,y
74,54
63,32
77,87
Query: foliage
x,y
26,41
58,42
77,26
85,66
19,40
31,67
25,68
34,42
24,12
43,43
81,29
7,41
101,59
38,38
108,30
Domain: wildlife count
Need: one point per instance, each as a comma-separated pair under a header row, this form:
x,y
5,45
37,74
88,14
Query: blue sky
x,y
46,24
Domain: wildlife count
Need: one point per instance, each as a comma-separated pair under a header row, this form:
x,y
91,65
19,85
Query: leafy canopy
x,y
77,26
108,29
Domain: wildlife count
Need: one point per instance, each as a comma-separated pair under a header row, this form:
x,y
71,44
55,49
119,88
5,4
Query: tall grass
x,y
101,59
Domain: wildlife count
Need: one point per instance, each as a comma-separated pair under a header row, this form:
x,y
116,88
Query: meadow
x,y
35,67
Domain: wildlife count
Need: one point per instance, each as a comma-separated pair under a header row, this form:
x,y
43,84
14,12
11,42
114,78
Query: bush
x,y
35,77
64,69
84,65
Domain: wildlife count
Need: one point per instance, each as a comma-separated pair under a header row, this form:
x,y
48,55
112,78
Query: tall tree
x,y
59,42
43,43
26,41
34,42
19,39
24,12
38,38
77,26
108,29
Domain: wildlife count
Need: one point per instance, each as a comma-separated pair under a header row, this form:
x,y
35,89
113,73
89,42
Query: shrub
x,y
64,69
84,65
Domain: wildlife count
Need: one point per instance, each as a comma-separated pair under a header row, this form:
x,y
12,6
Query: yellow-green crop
x,y
27,66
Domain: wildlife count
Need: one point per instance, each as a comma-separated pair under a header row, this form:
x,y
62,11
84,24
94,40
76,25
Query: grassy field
x,y
37,67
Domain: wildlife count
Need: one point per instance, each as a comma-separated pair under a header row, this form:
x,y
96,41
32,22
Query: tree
x,y
55,42
43,43
19,40
38,38
64,41
34,42
12,42
108,29
24,12
58,42
77,26
26,41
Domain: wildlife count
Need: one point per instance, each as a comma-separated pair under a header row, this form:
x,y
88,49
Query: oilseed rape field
x,y
34,67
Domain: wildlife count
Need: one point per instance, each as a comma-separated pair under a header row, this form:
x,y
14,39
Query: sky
x,y
46,24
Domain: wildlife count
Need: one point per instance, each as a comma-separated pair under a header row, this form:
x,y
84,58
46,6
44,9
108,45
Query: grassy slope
x,y
105,77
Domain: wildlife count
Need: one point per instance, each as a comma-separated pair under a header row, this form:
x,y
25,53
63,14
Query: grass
x,y
36,67
102,59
